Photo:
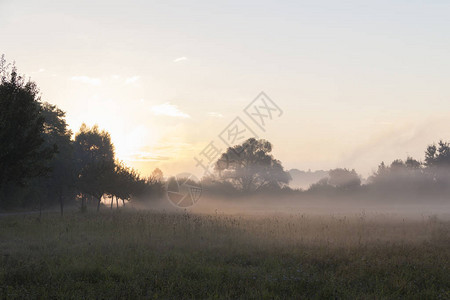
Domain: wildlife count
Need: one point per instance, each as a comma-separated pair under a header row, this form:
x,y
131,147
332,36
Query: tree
x,y
23,154
399,172
124,183
157,175
60,182
250,167
94,155
341,179
344,178
150,188
321,186
406,179
413,164
438,156
437,161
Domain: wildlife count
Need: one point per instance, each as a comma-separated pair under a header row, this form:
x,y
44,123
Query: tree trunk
x,y
112,201
40,207
98,203
61,204
117,203
83,203
123,202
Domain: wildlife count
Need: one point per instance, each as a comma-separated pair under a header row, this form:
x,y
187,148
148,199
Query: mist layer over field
x,y
283,205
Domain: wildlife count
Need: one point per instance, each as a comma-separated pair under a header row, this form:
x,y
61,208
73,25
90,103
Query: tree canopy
x,y
251,167
23,153
94,154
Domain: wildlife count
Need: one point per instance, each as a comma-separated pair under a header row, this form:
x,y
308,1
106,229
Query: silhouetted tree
x,y
437,162
94,154
124,183
157,175
438,156
60,182
152,187
399,172
344,178
321,186
405,180
251,167
337,179
23,154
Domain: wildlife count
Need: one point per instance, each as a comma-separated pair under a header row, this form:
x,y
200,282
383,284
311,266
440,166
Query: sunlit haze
x,y
358,82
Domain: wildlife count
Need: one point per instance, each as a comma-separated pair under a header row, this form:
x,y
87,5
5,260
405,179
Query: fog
x,y
285,206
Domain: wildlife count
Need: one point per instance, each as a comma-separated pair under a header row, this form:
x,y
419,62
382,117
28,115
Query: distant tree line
x,y
408,179
40,163
249,168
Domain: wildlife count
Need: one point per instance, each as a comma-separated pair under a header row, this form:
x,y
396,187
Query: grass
x,y
160,255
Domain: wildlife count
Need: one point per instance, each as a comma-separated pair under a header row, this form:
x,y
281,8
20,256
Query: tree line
x,y
251,168
41,164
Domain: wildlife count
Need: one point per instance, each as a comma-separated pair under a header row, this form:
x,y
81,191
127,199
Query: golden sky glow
x,y
358,83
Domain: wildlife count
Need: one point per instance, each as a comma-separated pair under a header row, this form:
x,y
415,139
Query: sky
x,y
357,82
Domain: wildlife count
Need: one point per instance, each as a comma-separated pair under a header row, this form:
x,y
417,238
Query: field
x,y
132,254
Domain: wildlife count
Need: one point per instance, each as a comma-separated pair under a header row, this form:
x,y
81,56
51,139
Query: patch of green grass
x,y
160,255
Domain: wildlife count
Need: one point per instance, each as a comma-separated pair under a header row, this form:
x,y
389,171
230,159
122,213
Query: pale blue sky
x,y
359,81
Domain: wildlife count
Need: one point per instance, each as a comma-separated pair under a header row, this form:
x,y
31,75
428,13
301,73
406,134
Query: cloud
x,y
147,156
41,70
86,79
167,109
133,79
215,114
172,145
164,150
180,59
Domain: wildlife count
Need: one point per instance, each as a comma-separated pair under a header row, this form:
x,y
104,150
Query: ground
x,y
120,254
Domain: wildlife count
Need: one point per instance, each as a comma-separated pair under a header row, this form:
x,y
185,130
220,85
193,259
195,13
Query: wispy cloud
x,y
132,79
180,59
165,150
147,156
167,109
87,80
41,70
215,114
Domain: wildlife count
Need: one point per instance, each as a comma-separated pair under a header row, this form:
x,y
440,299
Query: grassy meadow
x,y
153,255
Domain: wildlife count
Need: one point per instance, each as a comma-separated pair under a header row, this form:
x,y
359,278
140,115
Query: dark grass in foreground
x,y
158,255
